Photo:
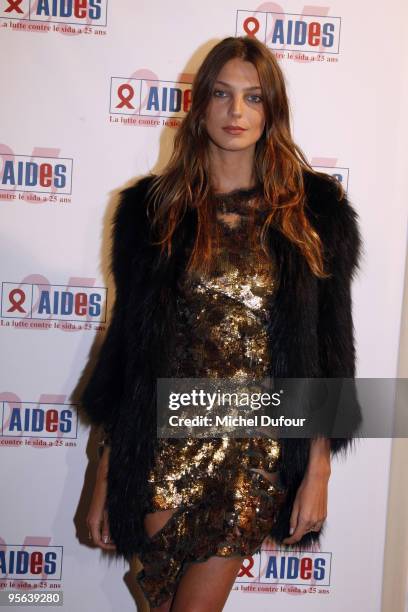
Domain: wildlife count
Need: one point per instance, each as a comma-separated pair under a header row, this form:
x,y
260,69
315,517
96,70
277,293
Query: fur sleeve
x,y
342,252
101,394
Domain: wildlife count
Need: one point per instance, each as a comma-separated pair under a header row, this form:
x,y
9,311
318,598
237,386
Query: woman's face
x,y
236,100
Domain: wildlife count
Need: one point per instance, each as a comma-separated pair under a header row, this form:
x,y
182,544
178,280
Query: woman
x,y
235,262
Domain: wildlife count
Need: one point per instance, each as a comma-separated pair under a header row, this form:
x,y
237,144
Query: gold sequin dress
x,y
222,505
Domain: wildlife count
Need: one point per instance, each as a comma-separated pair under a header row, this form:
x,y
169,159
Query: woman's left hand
x,y
310,506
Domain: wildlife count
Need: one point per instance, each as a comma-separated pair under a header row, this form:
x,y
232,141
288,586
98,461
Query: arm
x,y
337,357
97,518
309,509
101,395
319,457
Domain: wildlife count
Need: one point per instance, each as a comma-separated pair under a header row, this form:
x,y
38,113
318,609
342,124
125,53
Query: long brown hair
x,y
278,162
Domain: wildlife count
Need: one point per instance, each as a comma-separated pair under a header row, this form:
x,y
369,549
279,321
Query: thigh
x,y
206,585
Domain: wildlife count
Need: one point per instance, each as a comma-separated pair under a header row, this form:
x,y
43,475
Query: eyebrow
x,y
245,89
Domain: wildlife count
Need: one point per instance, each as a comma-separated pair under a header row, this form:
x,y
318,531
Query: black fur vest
x,y
311,335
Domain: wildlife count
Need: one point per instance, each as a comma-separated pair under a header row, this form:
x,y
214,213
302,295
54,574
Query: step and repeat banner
x,y
92,95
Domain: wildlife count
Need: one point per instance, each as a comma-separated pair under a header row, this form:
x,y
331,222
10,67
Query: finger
x,y
105,527
106,536
293,524
301,528
96,533
294,518
296,536
108,546
94,530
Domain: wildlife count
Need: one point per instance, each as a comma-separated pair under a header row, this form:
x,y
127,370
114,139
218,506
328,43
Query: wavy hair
x,y
278,163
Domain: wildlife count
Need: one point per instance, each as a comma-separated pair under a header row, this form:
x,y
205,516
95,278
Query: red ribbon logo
x,y
16,305
251,31
245,569
125,100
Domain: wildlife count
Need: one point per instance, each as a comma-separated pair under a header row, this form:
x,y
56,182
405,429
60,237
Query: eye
x,y
218,91
257,100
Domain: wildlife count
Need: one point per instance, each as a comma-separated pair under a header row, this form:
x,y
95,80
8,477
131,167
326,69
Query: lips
x,y
233,129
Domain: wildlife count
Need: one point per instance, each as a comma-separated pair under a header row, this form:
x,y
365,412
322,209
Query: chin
x,y
232,143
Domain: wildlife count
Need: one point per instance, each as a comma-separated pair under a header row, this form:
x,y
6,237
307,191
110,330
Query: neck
x,y
231,170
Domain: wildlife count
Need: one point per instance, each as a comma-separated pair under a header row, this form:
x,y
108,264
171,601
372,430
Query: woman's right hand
x,y
97,518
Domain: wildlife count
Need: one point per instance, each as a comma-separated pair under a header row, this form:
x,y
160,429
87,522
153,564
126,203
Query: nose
x,y
236,106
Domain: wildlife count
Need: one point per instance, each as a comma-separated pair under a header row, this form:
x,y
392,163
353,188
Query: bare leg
x,y
205,586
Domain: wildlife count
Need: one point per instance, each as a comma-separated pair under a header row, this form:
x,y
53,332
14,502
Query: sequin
x,y
223,505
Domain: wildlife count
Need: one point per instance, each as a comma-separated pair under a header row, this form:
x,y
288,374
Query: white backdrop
x,y
77,126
